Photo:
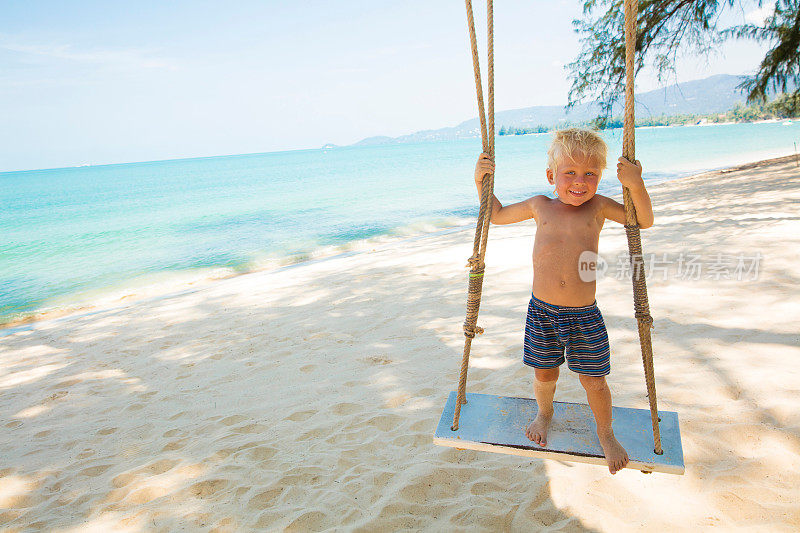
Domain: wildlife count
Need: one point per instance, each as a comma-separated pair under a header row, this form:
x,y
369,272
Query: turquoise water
x,y
71,234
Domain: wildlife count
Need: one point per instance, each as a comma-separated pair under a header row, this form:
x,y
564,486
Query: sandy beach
x,y
305,398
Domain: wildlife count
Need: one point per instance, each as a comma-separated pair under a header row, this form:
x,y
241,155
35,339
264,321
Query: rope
x,y
476,263
640,302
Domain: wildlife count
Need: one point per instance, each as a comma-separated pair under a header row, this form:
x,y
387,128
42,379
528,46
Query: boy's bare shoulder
x,y
539,200
602,198
537,203
604,202
610,209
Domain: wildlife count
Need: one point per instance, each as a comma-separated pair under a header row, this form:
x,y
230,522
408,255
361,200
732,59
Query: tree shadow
x,y
240,407
306,398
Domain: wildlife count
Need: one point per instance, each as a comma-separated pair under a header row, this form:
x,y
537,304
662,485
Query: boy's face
x,y
575,180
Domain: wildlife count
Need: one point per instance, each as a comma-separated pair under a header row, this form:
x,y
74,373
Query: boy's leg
x,y
544,388
544,352
599,397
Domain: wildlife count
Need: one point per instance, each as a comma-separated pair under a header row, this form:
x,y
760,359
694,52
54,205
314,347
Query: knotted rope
x,y
640,302
475,262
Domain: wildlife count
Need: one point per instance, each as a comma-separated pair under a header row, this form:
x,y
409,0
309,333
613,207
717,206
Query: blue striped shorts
x,y
551,330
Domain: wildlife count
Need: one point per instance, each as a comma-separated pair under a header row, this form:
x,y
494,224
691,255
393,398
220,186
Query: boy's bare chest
x,y
575,233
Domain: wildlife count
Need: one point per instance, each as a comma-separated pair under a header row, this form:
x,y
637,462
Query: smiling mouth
x,y
577,193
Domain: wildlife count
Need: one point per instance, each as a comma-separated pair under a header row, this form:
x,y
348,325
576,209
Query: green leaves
x,y
780,67
666,28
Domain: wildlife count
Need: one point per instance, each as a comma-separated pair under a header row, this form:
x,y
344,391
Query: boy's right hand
x,y
484,166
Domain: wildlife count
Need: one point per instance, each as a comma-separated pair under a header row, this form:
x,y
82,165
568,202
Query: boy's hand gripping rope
x,y
640,302
476,264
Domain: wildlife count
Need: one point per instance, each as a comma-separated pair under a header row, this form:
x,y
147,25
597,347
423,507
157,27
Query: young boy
x,y
562,314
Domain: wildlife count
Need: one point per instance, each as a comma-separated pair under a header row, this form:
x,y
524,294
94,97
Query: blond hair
x,y
571,141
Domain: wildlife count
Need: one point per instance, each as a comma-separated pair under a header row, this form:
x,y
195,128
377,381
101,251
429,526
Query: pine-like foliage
x,y
780,68
666,28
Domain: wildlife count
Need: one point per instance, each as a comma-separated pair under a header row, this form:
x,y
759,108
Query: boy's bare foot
x,y
537,430
616,456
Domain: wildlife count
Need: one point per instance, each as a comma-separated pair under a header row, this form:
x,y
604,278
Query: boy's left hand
x,y
630,174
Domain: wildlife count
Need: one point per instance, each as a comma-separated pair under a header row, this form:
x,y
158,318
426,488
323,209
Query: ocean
x,y
73,235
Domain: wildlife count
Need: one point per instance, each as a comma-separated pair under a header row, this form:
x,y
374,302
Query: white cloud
x,y
124,58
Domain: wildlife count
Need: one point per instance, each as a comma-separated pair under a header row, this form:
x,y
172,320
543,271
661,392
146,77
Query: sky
x,y
96,82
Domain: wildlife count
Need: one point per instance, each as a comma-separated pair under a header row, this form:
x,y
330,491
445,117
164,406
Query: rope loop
x,y
476,264
644,317
471,331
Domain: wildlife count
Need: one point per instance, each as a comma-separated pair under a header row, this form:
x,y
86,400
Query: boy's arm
x,y
502,214
510,214
630,175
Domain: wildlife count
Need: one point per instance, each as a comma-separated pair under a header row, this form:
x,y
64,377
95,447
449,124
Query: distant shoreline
x,y
393,141
331,146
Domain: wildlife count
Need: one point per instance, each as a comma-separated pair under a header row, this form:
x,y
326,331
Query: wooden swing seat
x,y
497,424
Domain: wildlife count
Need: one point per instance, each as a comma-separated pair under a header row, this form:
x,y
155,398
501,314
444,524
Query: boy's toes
x,y
533,435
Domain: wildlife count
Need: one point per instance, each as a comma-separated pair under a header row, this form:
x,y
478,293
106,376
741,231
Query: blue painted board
x,y
497,424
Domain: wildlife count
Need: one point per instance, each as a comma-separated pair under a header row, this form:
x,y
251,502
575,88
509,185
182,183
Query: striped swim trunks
x,y
551,330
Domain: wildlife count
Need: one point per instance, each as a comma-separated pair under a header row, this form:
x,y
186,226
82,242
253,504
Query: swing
x,y
497,424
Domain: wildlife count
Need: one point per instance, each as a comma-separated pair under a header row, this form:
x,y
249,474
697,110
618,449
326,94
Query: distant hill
x,y
382,139
716,94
